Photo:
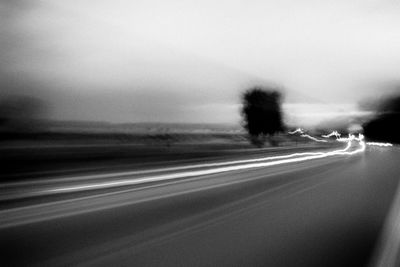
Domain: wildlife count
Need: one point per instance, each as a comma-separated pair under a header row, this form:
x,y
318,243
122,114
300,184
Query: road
x,y
326,211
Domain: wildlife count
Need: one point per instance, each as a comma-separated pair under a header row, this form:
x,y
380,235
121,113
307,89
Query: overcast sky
x,y
188,61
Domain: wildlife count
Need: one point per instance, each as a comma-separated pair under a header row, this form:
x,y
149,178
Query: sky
x,y
189,61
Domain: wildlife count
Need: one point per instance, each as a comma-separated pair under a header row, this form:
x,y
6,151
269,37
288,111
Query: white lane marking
x,y
102,185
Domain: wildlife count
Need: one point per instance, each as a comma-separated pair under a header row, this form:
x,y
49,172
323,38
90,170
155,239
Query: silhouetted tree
x,y
385,126
262,113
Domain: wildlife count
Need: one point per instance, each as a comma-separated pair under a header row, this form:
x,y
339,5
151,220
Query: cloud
x,y
108,60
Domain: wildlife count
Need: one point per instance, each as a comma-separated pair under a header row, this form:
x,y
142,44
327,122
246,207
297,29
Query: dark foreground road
x,y
322,212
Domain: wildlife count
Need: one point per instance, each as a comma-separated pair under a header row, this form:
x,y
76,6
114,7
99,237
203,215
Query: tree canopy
x,y
262,112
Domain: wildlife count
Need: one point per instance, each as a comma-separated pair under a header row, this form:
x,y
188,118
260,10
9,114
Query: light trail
x,y
334,133
379,144
298,130
158,170
196,170
304,135
187,174
352,137
313,138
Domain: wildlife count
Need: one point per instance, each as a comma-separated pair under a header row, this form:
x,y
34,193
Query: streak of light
x,y
378,144
7,217
313,138
298,130
303,134
186,174
158,170
350,138
334,133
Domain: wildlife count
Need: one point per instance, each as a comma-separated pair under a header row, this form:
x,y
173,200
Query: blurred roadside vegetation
x,y
23,123
33,147
385,125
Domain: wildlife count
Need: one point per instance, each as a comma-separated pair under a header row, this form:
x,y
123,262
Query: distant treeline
x,y
385,126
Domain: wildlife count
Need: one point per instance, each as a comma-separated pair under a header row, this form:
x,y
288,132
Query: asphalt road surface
x,y
326,211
